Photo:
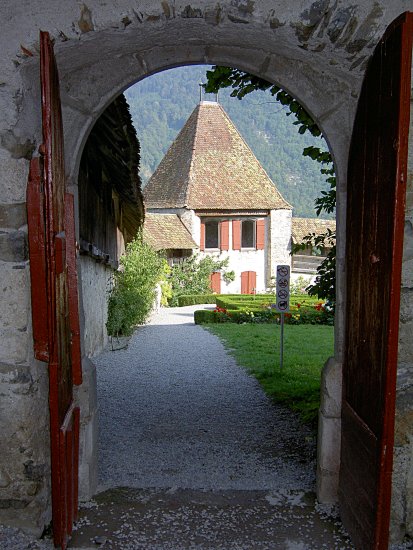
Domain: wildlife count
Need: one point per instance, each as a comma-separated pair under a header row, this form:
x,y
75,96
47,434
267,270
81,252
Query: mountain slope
x,y
161,104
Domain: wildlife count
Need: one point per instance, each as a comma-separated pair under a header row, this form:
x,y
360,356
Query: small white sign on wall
x,y
283,288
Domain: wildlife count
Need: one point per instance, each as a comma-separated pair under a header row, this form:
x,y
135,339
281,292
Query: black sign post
x,y
282,301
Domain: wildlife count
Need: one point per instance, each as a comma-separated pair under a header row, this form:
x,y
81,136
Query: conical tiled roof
x,y
209,166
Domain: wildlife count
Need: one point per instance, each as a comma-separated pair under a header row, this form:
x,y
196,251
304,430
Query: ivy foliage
x,y
161,105
133,293
242,84
192,276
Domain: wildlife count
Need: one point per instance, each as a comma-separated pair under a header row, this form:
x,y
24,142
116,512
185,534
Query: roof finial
x,y
202,91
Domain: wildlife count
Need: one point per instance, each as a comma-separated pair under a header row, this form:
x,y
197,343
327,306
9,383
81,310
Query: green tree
x,y
192,276
133,293
242,84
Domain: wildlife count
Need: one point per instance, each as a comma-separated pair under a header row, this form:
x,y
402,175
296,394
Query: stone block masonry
x,y
317,51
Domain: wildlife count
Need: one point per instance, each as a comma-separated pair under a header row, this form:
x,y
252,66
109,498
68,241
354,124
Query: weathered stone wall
x,y
24,419
316,50
86,398
279,242
96,281
402,498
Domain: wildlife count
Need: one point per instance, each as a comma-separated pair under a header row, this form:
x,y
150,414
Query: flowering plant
x,y
222,315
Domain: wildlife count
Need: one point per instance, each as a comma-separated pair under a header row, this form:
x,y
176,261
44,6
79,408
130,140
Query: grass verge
x,y
306,348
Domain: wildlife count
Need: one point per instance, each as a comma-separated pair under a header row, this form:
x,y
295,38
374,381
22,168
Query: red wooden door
x,y
215,282
375,221
54,296
248,282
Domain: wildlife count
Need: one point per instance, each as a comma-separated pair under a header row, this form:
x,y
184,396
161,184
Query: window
x,y
248,234
211,234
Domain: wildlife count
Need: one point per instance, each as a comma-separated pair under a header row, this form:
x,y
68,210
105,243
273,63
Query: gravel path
x,y
177,411
208,460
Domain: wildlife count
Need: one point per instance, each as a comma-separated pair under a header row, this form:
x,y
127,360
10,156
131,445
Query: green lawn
x,y
306,348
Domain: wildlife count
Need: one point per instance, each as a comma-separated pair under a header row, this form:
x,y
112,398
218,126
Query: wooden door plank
x,y
72,289
36,237
60,323
375,218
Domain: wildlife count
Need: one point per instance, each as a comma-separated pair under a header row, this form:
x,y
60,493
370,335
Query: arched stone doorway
x,y
317,54
88,88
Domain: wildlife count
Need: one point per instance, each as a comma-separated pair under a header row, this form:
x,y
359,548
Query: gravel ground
x,y
177,411
209,461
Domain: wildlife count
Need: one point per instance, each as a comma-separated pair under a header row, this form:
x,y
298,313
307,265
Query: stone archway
x,y
318,54
322,100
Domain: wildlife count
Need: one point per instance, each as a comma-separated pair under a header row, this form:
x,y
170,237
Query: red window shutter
x,y
215,282
202,240
236,234
260,239
224,236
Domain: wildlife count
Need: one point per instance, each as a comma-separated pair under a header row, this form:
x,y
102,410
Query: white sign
x,y
283,288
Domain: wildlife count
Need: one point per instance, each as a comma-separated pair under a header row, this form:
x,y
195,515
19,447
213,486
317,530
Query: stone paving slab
x,y
175,519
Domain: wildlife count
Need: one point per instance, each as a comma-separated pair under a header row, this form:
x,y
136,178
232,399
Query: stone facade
x,y
279,229
242,260
316,50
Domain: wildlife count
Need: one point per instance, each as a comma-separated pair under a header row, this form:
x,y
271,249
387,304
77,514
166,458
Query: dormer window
x,y
248,234
212,234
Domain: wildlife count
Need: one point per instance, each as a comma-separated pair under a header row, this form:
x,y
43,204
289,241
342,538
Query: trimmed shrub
x,y
204,316
241,301
194,299
316,315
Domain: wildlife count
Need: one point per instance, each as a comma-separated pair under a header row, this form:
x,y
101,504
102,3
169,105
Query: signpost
x,y
282,303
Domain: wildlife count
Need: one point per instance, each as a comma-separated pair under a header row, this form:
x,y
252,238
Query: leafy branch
x,y
242,84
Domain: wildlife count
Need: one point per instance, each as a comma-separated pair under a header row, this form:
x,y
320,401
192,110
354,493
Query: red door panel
x,y
248,282
216,282
72,290
375,221
54,286
36,234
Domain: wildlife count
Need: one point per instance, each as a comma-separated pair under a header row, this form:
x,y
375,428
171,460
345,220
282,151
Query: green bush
x,y
194,299
204,316
192,276
133,293
240,301
236,301
316,315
